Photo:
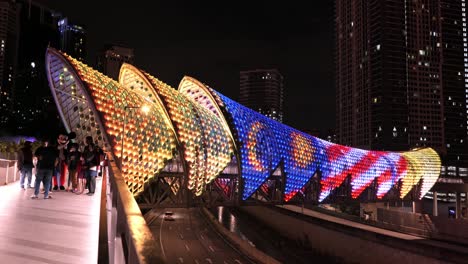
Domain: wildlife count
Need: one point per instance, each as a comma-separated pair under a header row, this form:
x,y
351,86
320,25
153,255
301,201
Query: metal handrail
x,y
129,239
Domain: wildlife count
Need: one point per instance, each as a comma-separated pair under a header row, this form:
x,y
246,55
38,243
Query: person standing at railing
x,y
25,164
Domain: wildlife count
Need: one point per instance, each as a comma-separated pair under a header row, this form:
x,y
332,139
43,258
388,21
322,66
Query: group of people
x,y
61,166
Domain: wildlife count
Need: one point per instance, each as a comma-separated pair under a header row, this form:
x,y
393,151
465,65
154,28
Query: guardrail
x,y
124,236
8,171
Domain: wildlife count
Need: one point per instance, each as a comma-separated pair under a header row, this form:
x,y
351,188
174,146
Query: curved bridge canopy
x,y
208,130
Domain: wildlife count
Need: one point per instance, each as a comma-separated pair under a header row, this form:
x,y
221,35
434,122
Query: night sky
x,y
212,42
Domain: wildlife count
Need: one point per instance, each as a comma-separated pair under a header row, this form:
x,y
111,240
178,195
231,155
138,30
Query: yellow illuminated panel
x,y
422,164
148,142
200,93
206,144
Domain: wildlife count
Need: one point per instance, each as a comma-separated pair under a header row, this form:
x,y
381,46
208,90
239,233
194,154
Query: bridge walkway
x,y
61,230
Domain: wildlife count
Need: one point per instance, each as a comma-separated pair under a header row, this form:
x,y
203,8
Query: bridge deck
x,y
64,229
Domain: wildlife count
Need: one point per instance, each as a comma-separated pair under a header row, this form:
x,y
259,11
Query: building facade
x,y
262,91
72,39
8,58
400,77
38,29
111,58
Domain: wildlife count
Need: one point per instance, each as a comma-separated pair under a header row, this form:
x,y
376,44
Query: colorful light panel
x,y
148,141
208,127
206,143
304,155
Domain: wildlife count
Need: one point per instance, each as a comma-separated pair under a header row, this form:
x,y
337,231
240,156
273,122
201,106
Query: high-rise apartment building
x,y
112,57
72,39
32,98
400,77
8,57
262,91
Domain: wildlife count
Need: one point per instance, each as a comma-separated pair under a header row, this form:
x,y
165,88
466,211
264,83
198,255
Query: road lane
x,y
189,238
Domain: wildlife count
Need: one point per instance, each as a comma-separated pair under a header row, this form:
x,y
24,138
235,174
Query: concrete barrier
x,y
352,244
8,171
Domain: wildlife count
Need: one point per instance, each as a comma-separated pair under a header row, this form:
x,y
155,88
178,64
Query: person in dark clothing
x,y
25,164
91,156
47,159
73,163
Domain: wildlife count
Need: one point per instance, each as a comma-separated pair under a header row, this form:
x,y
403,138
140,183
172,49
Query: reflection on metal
x,y
208,135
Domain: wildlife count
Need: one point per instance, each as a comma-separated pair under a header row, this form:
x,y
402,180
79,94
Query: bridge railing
x,y
124,236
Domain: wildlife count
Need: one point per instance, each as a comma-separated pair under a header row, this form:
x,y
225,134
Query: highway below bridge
x,y
186,235
190,236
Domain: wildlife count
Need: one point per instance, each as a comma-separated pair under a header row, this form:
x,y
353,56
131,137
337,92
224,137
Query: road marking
x,y
181,236
187,247
196,261
237,261
181,260
225,262
211,248
201,236
209,260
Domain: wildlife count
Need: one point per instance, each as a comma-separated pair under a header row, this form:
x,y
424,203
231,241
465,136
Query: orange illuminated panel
x,y
148,141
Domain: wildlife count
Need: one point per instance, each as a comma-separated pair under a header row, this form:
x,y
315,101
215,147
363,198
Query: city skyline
x,y
214,42
400,81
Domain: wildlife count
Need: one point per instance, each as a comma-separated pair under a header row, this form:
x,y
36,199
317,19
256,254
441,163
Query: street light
x,y
145,109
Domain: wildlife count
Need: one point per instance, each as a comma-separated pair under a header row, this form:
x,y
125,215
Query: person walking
x,y
47,159
25,164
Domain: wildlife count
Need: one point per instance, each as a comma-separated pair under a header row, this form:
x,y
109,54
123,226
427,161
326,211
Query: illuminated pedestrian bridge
x,y
207,134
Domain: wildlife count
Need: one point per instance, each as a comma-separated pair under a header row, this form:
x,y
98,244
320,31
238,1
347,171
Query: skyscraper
x,y
72,39
112,57
400,77
262,91
8,57
32,98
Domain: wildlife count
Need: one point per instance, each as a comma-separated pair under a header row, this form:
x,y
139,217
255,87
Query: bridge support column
x,y
435,208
